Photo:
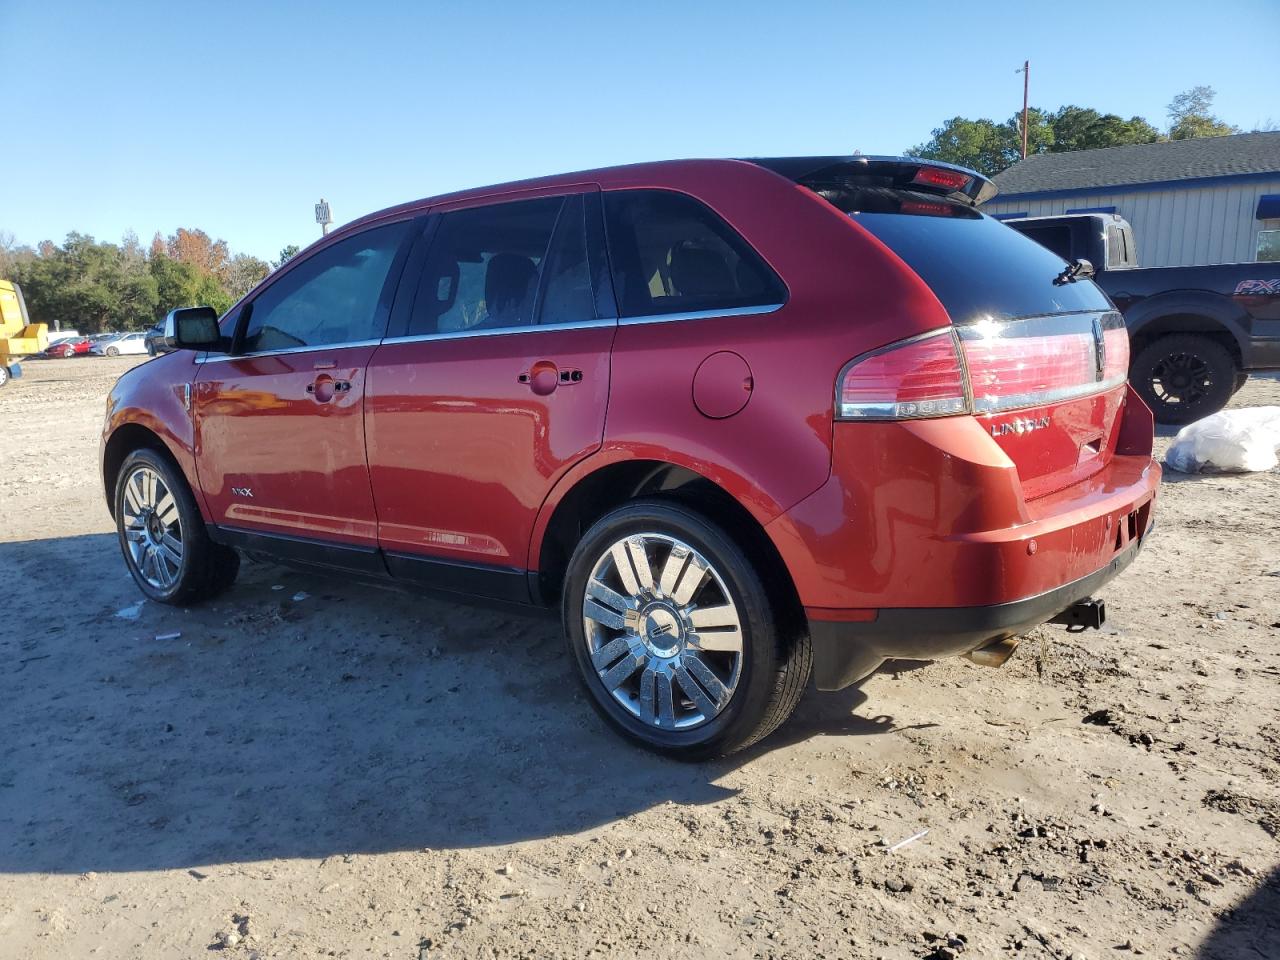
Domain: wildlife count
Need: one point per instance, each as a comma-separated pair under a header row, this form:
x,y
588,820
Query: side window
x,y
672,254
1116,255
329,298
507,265
566,281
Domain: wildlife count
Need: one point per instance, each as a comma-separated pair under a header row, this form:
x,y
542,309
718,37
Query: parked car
x,y
121,343
1197,332
75,346
739,422
154,340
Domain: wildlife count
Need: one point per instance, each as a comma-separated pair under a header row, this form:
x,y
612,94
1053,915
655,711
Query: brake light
x,y
1116,353
921,377
1008,372
987,367
938,177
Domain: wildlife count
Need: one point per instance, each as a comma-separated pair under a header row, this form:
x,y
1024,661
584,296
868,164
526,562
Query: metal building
x,y
1211,200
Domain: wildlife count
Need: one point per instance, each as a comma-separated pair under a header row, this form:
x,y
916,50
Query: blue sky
x,y
236,117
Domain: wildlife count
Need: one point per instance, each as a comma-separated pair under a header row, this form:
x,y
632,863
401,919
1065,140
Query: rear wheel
x,y
4,374
163,537
674,634
1241,380
1183,377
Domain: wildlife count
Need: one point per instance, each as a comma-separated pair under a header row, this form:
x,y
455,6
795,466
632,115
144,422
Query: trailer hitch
x,y
1088,614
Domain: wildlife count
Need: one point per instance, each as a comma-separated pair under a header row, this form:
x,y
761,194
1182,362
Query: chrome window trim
x,y
703,314
224,357
501,331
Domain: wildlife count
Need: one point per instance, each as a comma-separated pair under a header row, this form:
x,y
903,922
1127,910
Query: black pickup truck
x,y
1195,332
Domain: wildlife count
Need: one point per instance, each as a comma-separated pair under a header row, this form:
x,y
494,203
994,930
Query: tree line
x,y
990,147
92,287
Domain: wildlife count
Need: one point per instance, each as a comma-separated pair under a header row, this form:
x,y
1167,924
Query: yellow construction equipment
x,y
19,337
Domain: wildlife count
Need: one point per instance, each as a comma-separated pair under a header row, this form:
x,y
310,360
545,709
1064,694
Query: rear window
x,y
976,266
672,254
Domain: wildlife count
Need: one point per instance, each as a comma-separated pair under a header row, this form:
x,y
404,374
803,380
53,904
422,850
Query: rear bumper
x,y
845,652
923,545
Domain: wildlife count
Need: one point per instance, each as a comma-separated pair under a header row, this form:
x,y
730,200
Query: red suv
x,y
743,422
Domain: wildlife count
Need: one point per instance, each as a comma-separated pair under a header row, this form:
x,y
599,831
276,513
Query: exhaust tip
x,y
994,654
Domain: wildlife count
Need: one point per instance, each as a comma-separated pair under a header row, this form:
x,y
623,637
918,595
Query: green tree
x,y
1190,116
243,273
88,286
984,145
978,144
1083,128
286,253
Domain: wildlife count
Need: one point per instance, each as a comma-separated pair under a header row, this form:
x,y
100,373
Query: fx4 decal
x,y
1255,288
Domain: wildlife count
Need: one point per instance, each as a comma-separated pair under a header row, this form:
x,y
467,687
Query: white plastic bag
x,y
1234,441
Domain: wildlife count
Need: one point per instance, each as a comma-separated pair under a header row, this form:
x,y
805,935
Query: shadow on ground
x,y
318,718
1249,930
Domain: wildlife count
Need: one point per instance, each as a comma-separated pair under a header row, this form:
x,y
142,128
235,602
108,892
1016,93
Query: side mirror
x,y
192,328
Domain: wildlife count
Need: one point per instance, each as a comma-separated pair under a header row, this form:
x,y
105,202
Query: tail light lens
x,y
1115,364
987,367
921,377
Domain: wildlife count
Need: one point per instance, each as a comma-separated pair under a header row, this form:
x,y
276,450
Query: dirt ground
x,y
307,768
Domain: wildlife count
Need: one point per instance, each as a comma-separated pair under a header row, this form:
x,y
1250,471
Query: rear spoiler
x,y
903,173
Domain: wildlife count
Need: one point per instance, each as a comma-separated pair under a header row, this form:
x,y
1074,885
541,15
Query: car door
x,y
279,421
489,387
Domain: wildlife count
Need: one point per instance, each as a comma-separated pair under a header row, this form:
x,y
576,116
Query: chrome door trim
x,y
703,314
224,357
501,331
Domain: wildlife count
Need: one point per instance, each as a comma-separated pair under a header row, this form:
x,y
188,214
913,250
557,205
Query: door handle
x,y
323,388
544,376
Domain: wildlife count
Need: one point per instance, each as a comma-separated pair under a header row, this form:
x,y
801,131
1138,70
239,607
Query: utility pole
x,y
324,217
1026,89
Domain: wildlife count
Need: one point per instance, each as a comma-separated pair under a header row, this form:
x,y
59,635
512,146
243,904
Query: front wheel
x,y
113,352
674,634
4,375
163,537
1183,377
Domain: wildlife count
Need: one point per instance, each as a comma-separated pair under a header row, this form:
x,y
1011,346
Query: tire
x,y
152,520
112,352
648,641
4,376
1241,380
1183,377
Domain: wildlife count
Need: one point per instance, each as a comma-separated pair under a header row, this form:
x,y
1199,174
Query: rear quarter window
x,y
672,254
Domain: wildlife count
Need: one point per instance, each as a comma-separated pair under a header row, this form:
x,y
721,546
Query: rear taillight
x,y
986,367
920,377
1115,364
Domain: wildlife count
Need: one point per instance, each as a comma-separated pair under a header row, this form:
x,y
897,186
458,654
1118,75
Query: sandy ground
x,y
314,769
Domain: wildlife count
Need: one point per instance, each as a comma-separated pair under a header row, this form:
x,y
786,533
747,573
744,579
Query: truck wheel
x,y
1241,380
674,635
1183,377
163,537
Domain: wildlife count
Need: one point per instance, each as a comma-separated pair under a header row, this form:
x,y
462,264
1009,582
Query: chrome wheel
x,y
662,631
152,528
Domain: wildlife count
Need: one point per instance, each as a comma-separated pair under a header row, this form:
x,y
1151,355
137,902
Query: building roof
x,y
1242,154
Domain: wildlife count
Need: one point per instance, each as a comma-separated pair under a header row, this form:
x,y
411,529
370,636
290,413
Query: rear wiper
x,y
1074,271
